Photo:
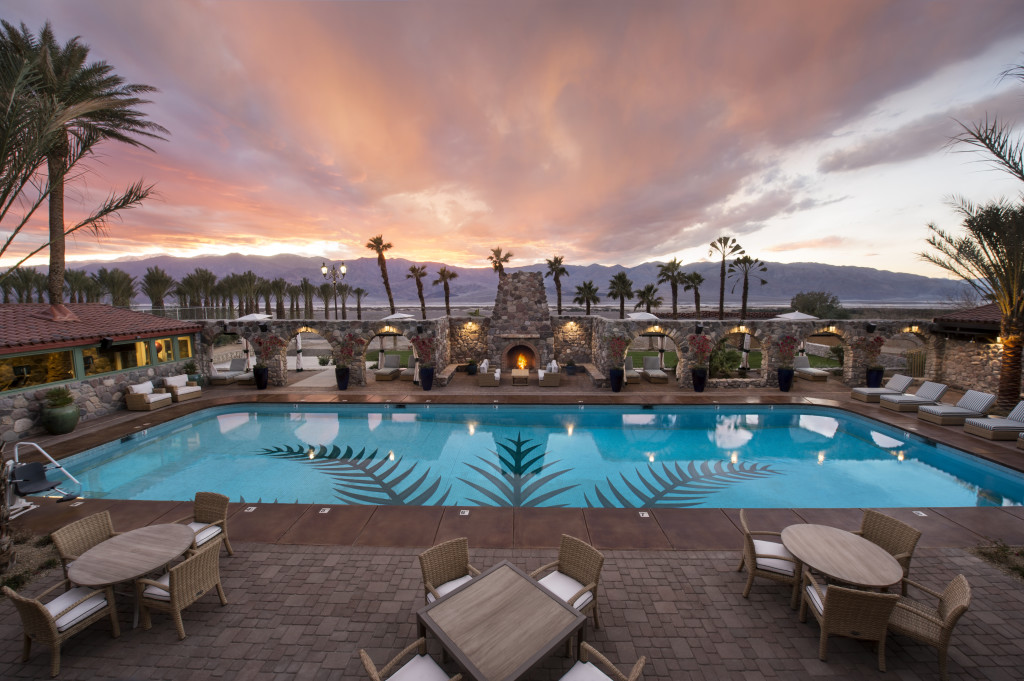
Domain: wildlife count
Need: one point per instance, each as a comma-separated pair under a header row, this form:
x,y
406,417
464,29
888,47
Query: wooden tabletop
x,y
501,624
842,555
127,556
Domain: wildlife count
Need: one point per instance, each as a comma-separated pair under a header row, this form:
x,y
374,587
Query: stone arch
x,y
845,335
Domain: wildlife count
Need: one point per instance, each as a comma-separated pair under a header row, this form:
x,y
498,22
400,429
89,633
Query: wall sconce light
x,y
263,328
470,326
871,326
419,329
699,329
388,330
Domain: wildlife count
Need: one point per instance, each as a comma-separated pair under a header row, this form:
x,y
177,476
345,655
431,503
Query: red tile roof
x,y
985,315
24,327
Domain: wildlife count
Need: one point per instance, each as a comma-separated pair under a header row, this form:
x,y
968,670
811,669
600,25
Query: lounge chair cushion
x,y
179,381
420,668
449,586
802,365
159,594
141,388
973,403
540,374
1013,421
204,532
188,389
770,548
484,366
80,611
155,398
565,587
928,393
814,599
894,386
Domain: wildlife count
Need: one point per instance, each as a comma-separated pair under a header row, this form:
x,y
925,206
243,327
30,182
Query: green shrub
x,y
724,360
59,397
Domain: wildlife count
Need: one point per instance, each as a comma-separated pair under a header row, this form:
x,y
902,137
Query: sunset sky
x,y
608,132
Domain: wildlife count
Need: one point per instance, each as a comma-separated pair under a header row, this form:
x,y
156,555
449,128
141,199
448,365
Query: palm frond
x,y
671,485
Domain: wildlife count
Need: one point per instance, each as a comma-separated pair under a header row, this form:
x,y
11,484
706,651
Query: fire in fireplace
x,y
519,357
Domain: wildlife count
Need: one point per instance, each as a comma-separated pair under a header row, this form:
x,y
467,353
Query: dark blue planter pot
x,y
785,379
426,377
341,375
875,377
700,379
617,377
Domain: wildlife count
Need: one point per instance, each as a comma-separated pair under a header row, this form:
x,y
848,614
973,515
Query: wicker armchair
x,y
768,559
932,624
76,538
421,667
576,575
895,536
446,567
862,615
181,586
55,622
209,519
584,670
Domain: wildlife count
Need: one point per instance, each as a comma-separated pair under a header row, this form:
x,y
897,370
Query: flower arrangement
x,y
267,347
617,346
869,348
701,347
787,346
424,349
346,348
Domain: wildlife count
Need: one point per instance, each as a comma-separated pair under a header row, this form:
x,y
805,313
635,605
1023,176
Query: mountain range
x,y
477,286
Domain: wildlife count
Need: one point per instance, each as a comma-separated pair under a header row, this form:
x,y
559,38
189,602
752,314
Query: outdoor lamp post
x,y
333,274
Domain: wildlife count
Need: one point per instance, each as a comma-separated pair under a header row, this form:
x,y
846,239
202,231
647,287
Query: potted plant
x,y
192,370
425,354
60,413
267,347
870,349
344,353
787,347
701,347
471,367
570,366
617,346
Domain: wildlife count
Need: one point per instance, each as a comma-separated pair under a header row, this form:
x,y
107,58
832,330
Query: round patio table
x,y
127,556
842,555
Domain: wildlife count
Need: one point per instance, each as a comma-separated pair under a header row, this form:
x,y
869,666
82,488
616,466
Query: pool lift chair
x,y
29,477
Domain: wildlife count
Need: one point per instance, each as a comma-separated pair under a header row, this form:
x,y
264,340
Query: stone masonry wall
x,y
973,366
521,314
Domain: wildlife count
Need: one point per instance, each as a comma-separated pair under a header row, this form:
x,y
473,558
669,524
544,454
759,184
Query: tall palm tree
x,y
995,137
671,273
621,287
190,291
417,272
23,283
378,245
586,294
692,281
108,110
279,289
359,293
266,291
556,271
325,292
989,256
248,293
307,296
648,297
344,291
498,260
156,285
445,275
227,290
743,268
206,283
118,284
726,246
77,282
294,295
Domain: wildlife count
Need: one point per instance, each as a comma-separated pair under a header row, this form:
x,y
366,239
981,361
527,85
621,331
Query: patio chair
x,y
932,624
209,519
973,404
549,379
235,372
584,670
76,538
446,567
487,379
390,368
55,622
409,372
630,374
803,369
181,388
576,575
420,668
181,586
928,393
896,385
768,559
652,370
994,428
144,397
861,615
895,536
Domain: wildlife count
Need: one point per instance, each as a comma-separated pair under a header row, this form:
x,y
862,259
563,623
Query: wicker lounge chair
x,y
181,388
235,372
896,385
549,379
76,538
420,668
862,615
768,559
576,575
390,368
181,586
973,404
55,622
631,374
144,397
489,379
446,567
802,366
895,536
928,393
1020,440
652,370
993,428
932,624
585,670
209,519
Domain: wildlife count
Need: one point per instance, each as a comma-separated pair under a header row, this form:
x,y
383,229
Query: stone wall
x,y
467,337
971,366
521,315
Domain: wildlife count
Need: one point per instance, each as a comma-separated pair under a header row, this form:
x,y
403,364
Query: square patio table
x,y
520,376
500,624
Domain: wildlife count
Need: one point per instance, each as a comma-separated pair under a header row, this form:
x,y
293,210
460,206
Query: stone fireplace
x,y
521,322
511,355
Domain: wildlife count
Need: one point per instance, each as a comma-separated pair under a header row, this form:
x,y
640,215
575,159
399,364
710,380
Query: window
x,y
31,370
120,356
164,350
184,347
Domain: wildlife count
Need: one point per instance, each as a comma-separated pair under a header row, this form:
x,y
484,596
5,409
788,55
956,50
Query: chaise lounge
x,y
390,368
630,374
652,370
144,397
236,372
802,366
928,393
973,404
896,385
995,428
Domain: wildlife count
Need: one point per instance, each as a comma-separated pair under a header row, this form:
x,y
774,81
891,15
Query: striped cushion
x,y
976,401
932,392
992,423
899,382
1018,412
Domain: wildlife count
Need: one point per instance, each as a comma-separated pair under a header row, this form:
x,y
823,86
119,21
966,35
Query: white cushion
x,y
812,596
652,364
449,586
185,390
540,374
151,398
497,374
770,548
585,671
565,587
420,668
178,381
80,611
159,594
141,389
204,532
483,365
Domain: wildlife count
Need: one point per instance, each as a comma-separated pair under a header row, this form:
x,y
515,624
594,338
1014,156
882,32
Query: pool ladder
x,y
19,505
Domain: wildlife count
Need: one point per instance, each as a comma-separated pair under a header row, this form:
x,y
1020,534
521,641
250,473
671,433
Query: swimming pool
x,y
585,456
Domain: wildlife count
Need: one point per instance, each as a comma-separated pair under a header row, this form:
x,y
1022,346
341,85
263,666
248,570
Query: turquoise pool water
x,y
592,456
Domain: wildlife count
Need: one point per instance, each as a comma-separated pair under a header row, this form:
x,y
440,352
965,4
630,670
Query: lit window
x,y
31,370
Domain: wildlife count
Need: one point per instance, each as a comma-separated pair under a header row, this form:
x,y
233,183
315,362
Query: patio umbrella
x,y
298,352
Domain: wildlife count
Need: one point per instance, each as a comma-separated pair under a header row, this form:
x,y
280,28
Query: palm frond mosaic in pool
x,y
593,456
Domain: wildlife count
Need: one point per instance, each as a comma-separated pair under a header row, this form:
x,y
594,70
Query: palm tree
x,y
206,283
279,289
294,295
227,290
989,256
743,268
23,282
586,294
378,245
498,260
648,297
77,282
994,137
156,285
118,284
359,293
692,281
248,293
557,271
417,272
671,273
108,108
266,291
308,290
622,288
325,292
344,291
445,275
726,246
